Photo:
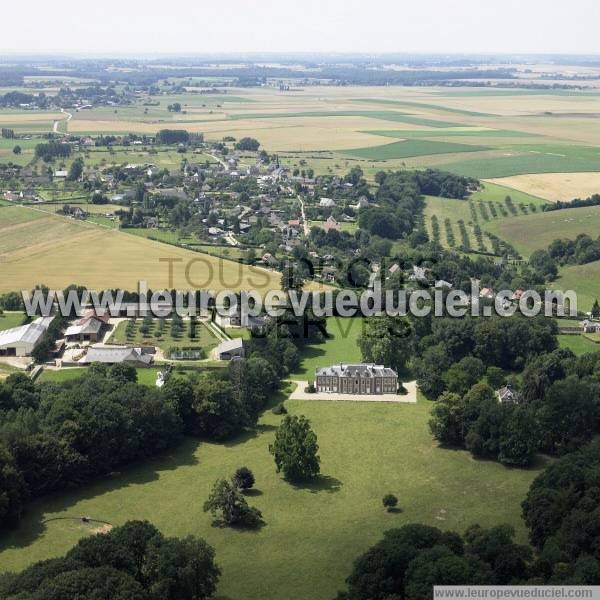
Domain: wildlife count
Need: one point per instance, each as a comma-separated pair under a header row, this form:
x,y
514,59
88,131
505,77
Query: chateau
x,y
357,379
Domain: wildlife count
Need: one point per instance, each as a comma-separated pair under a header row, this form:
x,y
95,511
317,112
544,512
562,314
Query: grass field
x,y
408,148
145,376
497,193
584,279
578,344
366,451
340,347
534,231
539,158
9,319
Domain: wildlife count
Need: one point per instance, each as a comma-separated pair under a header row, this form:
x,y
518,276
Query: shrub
x,y
243,478
390,502
279,409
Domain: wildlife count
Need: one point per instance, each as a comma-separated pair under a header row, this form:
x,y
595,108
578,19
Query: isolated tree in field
x,y
390,502
17,150
248,144
596,309
295,449
226,500
243,478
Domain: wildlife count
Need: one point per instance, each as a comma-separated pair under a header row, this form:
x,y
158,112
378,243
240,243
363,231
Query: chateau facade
x,y
357,379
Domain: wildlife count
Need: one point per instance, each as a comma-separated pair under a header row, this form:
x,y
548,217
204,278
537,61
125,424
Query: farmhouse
x,y
357,379
330,224
112,355
87,329
508,395
326,203
20,341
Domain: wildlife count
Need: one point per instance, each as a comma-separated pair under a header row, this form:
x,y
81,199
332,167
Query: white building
x,y
20,341
230,349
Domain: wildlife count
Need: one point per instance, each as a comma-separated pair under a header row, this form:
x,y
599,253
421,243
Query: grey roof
x,y
357,370
85,326
25,334
229,345
115,354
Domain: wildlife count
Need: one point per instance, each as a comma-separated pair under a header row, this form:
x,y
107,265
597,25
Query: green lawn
x,y
342,225
8,320
493,191
584,279
579,344
340,347
312,533
538,230
146,376
238,332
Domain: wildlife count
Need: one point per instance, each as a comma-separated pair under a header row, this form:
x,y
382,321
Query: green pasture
x,y
312,532
408,148
537,158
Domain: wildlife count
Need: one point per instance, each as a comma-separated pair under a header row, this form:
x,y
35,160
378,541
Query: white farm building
x,y
20,341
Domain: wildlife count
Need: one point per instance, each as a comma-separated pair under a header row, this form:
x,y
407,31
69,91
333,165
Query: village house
x,y
269,259
357,379
331,224
508,395
328,274
326,203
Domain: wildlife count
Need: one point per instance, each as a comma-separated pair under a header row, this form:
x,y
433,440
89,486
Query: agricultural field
x,y
410,148
555,186
365,450
36,247
26,155
484,211
534,231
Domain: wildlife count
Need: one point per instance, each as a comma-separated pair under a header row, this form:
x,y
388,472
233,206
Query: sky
x,y
136,27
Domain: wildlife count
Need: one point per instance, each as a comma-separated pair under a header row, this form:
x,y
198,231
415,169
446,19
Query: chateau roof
x,y
363,371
